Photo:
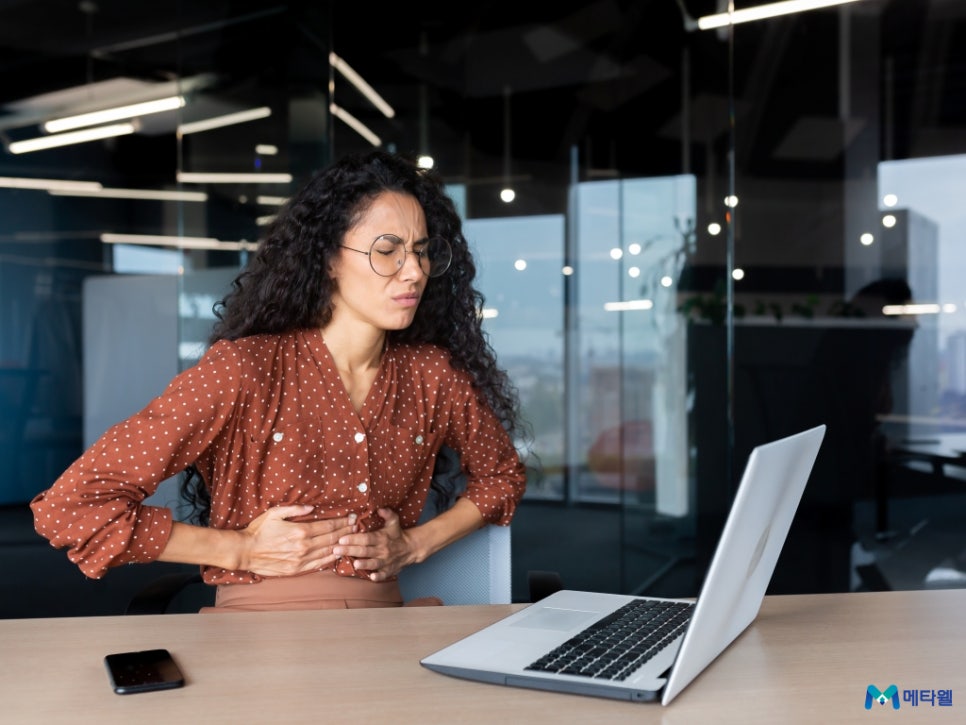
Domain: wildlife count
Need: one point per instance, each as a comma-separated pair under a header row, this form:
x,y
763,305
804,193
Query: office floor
x,y
925,551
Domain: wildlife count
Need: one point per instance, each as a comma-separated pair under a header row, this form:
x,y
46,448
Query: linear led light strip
x,y
364,88
120,112
628,305
229,119
152,194
114,114
162,240
760,12
16,182
71,137
203,177
923,308
355,124
67,187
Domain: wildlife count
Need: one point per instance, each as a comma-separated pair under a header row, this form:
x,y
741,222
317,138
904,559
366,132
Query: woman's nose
x,y
410,266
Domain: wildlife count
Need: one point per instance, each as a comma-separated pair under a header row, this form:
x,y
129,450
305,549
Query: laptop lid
x,y
732,592
747,552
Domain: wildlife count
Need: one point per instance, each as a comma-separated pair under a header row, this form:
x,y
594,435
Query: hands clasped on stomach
x,y
275,546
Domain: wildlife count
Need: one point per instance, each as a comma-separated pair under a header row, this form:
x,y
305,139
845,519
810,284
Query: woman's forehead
x,y
393,208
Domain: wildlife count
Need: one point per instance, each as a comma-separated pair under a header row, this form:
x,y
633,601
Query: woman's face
x,y
386,303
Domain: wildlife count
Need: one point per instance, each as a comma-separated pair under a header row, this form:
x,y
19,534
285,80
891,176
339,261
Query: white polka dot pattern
x,y
268,422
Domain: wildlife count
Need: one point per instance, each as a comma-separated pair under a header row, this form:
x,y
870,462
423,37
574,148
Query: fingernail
x,y
352,518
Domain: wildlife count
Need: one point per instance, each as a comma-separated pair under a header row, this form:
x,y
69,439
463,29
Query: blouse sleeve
x,y
496,477
95,509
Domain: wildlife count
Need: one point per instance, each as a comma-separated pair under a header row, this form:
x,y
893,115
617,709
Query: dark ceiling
x,y
473,81
589,74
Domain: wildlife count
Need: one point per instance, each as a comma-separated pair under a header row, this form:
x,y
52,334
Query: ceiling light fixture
x,y
202,177
922,308
163,240
364,88
229,119
149,194
629,305
15,182
69,138
114,114
760,12
355,124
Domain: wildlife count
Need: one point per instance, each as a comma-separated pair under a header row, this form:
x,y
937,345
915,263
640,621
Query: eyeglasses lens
x,y
388,254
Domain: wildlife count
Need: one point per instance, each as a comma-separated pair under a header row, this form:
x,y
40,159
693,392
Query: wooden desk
x,y
807,659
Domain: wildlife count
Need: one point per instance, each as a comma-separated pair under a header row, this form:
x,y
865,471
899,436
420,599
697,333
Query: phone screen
x,y
152,669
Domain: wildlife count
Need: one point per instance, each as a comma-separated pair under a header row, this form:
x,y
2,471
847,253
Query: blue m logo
x,y
873,694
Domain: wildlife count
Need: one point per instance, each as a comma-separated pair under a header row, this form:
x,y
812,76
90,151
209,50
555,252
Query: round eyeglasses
x,y
387,255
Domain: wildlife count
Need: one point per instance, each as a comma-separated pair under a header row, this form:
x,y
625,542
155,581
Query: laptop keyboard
x,y
615,646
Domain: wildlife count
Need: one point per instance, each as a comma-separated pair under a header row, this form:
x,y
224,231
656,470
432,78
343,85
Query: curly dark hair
x,y
287,284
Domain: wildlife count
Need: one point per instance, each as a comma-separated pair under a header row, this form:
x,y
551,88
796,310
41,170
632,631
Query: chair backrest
x,y
473,570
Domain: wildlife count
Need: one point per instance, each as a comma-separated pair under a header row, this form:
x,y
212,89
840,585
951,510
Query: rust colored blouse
x,y
268,422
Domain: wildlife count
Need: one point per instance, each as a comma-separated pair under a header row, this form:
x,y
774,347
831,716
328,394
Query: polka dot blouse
x,y
268,422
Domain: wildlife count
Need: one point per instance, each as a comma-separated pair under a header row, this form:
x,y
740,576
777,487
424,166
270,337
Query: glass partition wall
x,y
843,289
690,242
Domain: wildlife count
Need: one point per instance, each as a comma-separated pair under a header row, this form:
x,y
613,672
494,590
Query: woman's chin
x,y
399,323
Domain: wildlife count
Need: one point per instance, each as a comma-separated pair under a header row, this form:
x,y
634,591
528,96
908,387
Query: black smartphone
x,y
153,669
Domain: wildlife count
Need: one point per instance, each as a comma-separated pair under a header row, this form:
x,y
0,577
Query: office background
x,y
713,239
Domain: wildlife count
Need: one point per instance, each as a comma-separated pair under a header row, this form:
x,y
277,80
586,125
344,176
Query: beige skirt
x,y
316,590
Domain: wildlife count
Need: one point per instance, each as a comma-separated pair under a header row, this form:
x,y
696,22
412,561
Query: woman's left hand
x,y
383,553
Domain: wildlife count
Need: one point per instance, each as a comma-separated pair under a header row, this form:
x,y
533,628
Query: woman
x,y
348,353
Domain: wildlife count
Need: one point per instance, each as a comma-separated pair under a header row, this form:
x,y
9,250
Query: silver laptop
x,y
565,642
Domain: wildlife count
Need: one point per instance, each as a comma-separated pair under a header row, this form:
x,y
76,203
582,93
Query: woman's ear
x,y
333,265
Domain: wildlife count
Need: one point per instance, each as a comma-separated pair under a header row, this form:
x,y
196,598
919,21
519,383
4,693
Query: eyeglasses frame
x,y
406,252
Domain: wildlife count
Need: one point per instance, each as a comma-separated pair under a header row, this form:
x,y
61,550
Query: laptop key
x,y
618,644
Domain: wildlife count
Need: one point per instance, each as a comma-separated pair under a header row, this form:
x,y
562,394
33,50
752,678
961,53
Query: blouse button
x,y
419,440
363,487
278,437
360,437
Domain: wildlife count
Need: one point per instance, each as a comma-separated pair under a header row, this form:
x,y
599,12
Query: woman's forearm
x,y
190,544
270,545
461,519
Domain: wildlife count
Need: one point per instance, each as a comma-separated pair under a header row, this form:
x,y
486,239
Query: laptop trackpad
x,y
556,619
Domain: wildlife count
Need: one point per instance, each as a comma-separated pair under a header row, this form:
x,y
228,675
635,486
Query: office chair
x,y
473,570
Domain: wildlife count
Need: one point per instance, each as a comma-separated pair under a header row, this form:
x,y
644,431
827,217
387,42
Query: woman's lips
x,y
407,300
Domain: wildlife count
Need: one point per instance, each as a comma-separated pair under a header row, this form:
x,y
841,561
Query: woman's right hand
x,y
274,546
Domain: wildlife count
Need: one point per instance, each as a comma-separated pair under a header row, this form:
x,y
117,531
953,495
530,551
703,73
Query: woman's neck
x,y
352,351
357,358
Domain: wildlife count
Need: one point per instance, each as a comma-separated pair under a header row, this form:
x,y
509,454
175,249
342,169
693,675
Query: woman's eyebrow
x,y
422,240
